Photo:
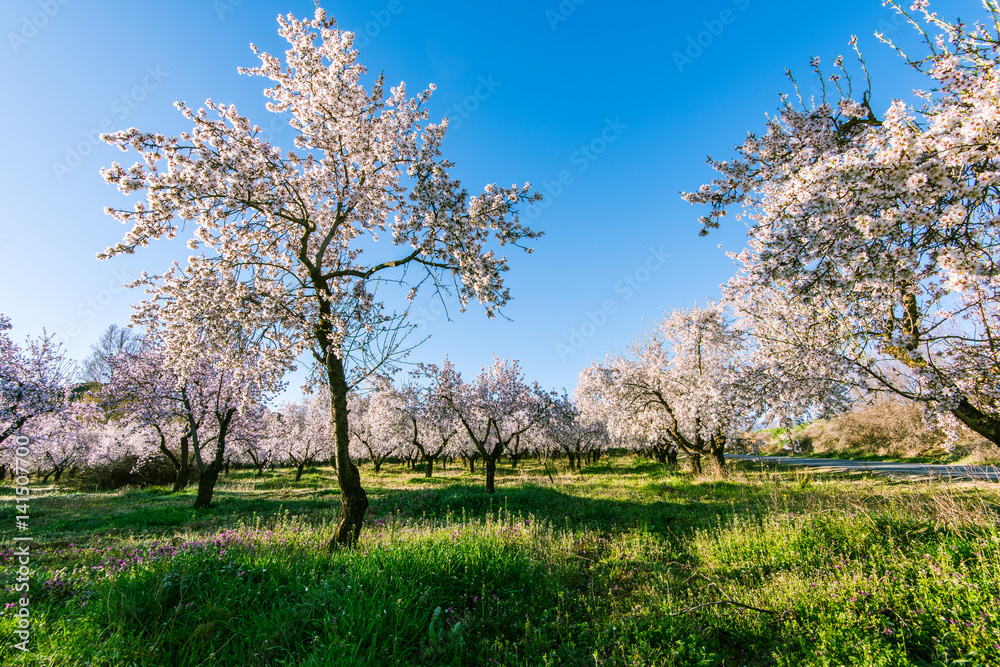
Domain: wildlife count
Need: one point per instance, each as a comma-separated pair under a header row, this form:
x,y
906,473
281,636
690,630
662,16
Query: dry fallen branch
x,y
727,601
718,603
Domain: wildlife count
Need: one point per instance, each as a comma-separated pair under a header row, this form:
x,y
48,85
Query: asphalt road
x,y
987,473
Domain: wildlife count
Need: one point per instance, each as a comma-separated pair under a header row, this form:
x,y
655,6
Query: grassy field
x,y
623,563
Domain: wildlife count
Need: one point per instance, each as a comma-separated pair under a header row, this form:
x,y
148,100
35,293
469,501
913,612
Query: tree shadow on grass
x,y
617,467
662,507
661,515
655,498
434,481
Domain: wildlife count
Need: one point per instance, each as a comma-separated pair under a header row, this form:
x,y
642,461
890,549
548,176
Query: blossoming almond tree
x,y
379,428
219,399
433,427
638,431
638,425
250,446
574,432
288,235
209,400
497,407
113,442
59,441
34,381
686,378
142,395
299,433
874,239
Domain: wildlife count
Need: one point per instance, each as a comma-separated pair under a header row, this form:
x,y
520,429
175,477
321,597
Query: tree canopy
x,y
873,237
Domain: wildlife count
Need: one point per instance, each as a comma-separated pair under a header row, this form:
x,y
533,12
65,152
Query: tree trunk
x,y
430,466
353,499
170,456
206,484
719,453
491,470
183,467
183,475
210,475
672,458
695,462
985,425
298,470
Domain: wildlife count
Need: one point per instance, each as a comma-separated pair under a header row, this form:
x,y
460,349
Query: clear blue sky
x,y
649,89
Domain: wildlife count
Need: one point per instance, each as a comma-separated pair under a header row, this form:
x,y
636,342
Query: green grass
x,y
624,563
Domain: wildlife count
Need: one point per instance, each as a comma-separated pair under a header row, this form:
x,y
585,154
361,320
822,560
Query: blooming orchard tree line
x,y
494,409
378,429
433,428
686,383
146,413
870,266
571,430
299,433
